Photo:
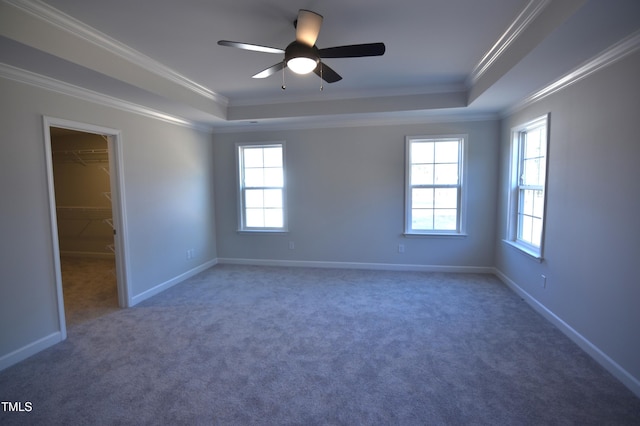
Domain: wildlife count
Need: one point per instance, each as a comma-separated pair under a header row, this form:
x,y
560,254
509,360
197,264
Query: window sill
x,y
434,234
535,255
262,231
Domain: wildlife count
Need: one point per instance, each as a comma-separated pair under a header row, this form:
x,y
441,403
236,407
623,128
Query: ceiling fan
x,y
302,56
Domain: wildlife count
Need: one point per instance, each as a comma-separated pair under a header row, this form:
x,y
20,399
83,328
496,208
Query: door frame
x,y
116,167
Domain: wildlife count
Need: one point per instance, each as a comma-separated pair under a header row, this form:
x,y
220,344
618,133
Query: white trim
x,y
55,244
614,53
521,248
116,168
596,353
30,349
349,121
48,83
357,265
522,21
239,159
338,95
461,216
170,283
513,198
79,29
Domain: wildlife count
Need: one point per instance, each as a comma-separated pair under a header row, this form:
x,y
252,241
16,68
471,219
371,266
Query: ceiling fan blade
x,y
353,51
253,47
326,73
271,70
308,27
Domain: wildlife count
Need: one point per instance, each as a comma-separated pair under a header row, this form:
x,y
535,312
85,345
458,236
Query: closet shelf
x,y
83,212
82,156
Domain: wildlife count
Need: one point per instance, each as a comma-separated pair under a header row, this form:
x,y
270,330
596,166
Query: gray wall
x,y
168,189
346,198
593,206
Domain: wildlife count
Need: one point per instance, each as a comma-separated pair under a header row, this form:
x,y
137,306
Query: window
x,y
434,185
261,187
528,179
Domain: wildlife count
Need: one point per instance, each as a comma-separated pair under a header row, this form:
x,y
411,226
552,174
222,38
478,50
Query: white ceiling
x,y
442,56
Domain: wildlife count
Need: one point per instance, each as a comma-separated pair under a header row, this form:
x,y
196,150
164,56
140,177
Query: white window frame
x,y
516,186
461,193
241,189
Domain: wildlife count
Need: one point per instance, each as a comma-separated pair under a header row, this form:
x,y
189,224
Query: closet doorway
x,y
85,199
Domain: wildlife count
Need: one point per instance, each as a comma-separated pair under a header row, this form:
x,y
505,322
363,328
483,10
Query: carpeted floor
x,y
89,288
239,345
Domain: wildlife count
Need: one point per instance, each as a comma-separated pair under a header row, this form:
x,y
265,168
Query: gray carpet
x,y
89,288
240,345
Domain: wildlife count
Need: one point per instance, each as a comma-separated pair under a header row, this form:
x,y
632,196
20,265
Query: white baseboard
x,y
32,348
596,353
167,284
357,265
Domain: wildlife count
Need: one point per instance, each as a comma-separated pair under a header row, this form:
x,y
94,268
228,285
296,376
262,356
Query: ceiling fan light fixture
x,y
300,58
302,65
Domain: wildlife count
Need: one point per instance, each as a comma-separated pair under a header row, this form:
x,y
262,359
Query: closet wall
x,y
83,197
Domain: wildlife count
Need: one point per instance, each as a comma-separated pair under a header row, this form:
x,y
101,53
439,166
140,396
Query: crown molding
x,y
53,85
79,29
614,53
328,95
517,27
356,120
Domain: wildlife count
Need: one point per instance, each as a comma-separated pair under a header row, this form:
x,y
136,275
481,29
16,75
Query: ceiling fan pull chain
x,y
283,85
321,80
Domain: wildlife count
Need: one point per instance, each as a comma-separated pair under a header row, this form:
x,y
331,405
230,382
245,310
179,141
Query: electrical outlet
x,y
400,248
544,281
191,253
292,245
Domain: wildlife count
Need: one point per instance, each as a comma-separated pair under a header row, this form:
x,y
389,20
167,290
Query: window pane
x,y
531,172
273,177
447,152
536,231
422,152
254,198
273,156
526,200
422,174
445,219
254,218
535,143
525,229
446,174
422,198
273,218
446,198
422,219
252,157
253,177
538,204
273,198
